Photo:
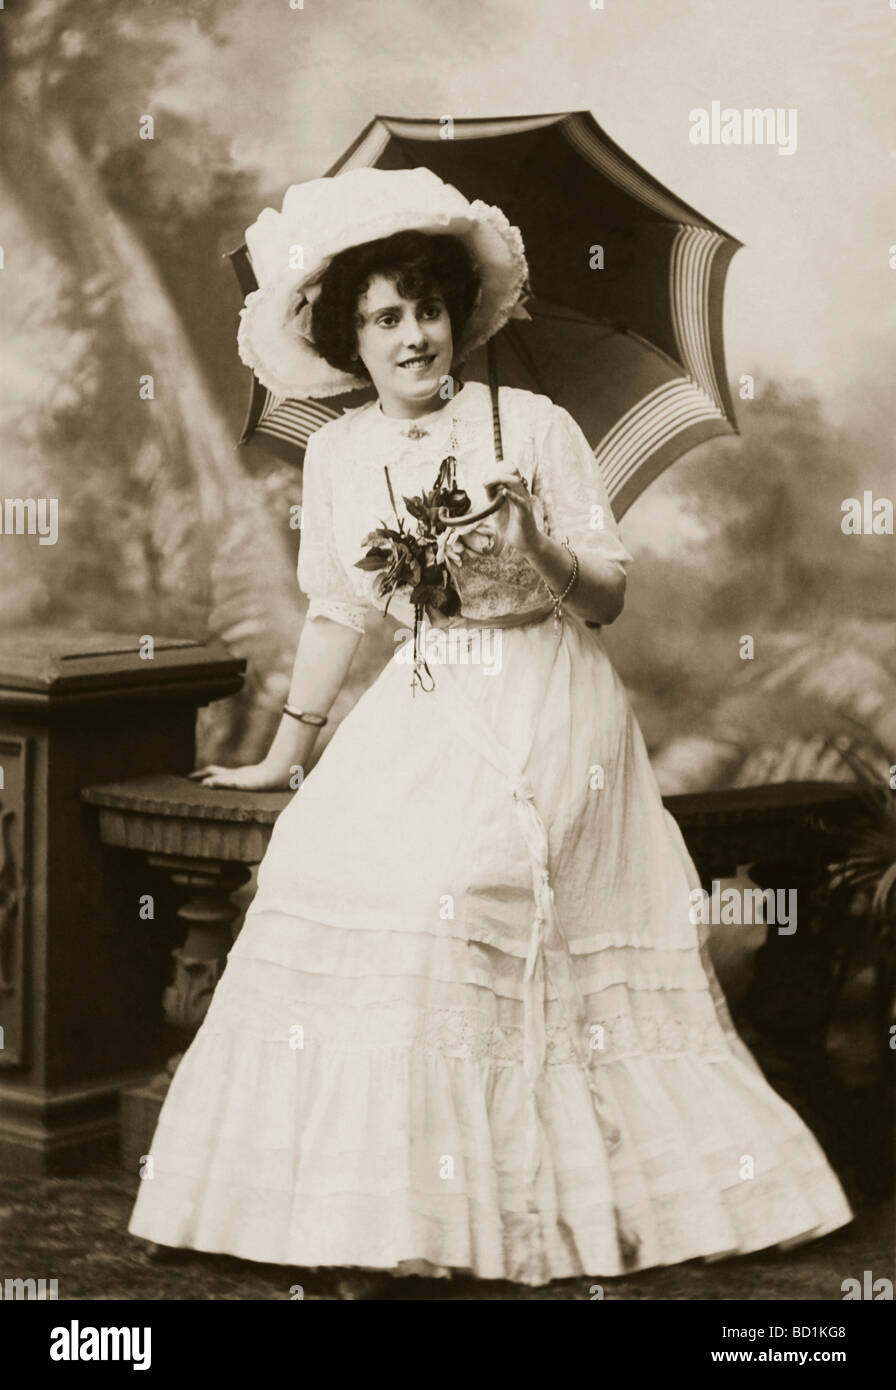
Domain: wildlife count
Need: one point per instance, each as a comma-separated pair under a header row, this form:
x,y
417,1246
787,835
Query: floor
x,y
75,1229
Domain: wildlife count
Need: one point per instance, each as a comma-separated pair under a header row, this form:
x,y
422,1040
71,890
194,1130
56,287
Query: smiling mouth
x,y
417,363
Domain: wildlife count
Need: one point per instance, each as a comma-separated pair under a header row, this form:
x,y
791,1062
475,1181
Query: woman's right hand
x,y
257,777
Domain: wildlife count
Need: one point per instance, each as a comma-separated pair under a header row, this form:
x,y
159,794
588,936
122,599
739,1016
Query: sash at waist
x,y
532,615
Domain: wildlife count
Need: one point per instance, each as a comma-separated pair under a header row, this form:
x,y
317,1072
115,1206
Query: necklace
x,y
417,431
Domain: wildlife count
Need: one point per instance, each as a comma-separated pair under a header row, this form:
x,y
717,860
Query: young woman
x,y
469,1024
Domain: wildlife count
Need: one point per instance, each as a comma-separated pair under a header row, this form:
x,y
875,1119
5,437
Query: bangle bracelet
x,y
305,716
558,598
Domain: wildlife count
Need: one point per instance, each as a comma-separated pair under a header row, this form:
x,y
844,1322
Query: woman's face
x,y
406,346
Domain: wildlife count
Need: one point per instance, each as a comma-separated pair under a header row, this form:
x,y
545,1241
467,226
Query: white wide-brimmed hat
x,y
291,249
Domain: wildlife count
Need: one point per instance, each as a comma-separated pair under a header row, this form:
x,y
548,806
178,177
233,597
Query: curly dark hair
x,y
418,264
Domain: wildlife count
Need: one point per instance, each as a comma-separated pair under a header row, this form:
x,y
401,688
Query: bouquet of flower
x,y
421,561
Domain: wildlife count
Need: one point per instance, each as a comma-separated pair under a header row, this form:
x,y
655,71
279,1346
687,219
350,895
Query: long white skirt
x,y
468,1023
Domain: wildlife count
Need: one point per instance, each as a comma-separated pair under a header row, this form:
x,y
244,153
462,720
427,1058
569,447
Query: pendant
x,y
415,432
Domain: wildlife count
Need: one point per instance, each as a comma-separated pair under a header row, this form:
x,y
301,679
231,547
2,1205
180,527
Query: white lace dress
x,y
468,1023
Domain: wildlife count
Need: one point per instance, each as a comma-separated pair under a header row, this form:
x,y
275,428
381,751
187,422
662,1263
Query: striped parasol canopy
x,y
627,282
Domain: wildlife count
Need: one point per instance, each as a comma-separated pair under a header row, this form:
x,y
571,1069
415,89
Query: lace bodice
x,y
345,496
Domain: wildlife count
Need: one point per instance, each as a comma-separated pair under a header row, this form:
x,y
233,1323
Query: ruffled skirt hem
x,y
516,1266
393,1139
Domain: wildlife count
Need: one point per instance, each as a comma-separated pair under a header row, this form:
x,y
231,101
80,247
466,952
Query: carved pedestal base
x,y
204,839
208,915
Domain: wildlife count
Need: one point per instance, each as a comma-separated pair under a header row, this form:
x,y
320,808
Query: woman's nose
x,y
414,331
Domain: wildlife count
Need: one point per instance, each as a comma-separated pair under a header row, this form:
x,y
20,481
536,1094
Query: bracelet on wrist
x,y
558,598
305,716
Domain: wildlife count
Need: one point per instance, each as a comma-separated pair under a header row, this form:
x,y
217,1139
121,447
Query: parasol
x,y
625,327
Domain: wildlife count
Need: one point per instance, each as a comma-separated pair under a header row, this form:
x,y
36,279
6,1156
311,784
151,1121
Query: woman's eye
x,y
387,321
432,311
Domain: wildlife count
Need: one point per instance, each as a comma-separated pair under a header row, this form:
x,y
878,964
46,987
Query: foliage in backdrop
x,y
114,274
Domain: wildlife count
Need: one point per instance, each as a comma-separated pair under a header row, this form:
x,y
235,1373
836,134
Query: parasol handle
x,y
470,518
492,353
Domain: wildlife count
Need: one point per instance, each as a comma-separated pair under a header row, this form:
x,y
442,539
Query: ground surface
x,y
74,1230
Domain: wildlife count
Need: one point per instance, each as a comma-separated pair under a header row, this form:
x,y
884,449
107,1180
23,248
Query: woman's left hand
x,y
513,524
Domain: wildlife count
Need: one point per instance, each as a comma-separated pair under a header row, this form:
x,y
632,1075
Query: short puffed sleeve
x,y
568,481
321,573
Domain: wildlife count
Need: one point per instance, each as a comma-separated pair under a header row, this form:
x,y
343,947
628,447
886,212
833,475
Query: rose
x,y
450,548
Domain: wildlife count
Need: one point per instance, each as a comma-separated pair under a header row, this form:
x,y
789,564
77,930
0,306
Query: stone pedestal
x,y
80,970
203,840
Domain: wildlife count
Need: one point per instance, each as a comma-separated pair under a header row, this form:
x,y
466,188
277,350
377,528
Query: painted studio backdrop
x,y
149,150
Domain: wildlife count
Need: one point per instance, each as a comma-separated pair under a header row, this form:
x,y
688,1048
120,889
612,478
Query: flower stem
x,y
392,496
